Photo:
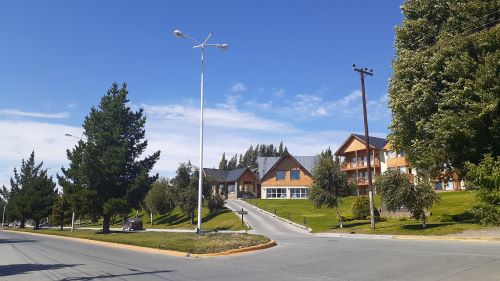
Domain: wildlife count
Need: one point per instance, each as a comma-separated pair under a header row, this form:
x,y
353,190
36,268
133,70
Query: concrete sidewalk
x,y
172,230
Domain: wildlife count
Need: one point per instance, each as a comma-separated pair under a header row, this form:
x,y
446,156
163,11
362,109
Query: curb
x,y
407,237
142,249
349,235
445,238
267,245
278,217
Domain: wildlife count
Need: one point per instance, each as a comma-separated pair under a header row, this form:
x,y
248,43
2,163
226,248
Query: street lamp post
x,y
73,214
202,46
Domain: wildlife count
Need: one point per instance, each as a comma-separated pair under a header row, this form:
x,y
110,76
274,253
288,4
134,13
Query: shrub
x,y
361,208
215,202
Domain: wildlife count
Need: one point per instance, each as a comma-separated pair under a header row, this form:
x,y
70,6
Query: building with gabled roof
x,y
383,156
354,161
234,183
286,176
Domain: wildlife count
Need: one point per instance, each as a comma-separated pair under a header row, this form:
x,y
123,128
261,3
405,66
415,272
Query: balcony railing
x,y
359,164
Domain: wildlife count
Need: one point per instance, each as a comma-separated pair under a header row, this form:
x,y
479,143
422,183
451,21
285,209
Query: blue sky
x,y
287,74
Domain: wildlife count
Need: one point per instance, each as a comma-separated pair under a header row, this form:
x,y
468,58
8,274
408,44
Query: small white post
x,y
3,216
151,216
73,222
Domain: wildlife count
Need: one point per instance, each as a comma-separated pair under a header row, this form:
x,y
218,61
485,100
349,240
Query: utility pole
x,y
363,72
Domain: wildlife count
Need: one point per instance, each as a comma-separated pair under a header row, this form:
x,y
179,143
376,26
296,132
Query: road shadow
x,y
15,241
23,268
135,273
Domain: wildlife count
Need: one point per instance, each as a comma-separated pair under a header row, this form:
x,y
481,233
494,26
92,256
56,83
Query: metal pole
x,y
73,222
200,171
3,216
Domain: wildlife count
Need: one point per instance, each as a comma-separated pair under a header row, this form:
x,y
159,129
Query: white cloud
x,y
19,138
72,105
173,129
279,92
14,112
238,87
215,117
260,105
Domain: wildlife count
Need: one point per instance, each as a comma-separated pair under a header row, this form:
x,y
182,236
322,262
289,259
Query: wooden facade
x,y
355,163
233,184
287,178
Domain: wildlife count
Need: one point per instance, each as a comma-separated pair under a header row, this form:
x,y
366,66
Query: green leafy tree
x,y
161,197
61,211
396,192
107,162
4,199
32,192
485,176
186,189
330,184
445,87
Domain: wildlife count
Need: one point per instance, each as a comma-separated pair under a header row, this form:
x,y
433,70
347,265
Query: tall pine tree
x,y
105,165
32,192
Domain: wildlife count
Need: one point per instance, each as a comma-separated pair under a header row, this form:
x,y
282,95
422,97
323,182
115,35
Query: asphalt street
x,y
298,256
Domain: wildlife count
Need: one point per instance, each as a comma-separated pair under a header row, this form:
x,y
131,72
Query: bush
x,y
361,207
215,202
488,215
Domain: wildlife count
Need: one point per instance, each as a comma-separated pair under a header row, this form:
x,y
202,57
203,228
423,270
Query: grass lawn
x,y
221,220
449,216
184,242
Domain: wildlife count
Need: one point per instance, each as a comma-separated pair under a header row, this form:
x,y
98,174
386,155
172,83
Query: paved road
x,y
267,225
299,256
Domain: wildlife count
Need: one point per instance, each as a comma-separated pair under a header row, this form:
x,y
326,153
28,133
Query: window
x,y
294,174
401,153
280,175
299,192
438,186
231,188
276,193
391,154
402,169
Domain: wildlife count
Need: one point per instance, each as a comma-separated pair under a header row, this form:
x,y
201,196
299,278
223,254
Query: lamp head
x,y
68,135
223,46
179,34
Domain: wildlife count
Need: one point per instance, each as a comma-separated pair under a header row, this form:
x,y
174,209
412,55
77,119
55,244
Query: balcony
x,y
346,166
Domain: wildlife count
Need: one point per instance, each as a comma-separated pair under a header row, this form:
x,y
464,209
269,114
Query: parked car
x,y
132,224
45,224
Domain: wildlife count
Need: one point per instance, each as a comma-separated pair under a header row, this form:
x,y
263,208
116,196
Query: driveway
x,y
267,225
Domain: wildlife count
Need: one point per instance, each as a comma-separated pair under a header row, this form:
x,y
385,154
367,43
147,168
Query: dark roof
x,y
234,175
265,164
377,143
224,176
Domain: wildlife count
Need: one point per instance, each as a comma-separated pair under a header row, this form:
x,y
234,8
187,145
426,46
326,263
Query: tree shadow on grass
x,y
427,226
171,219
215,214
15,269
